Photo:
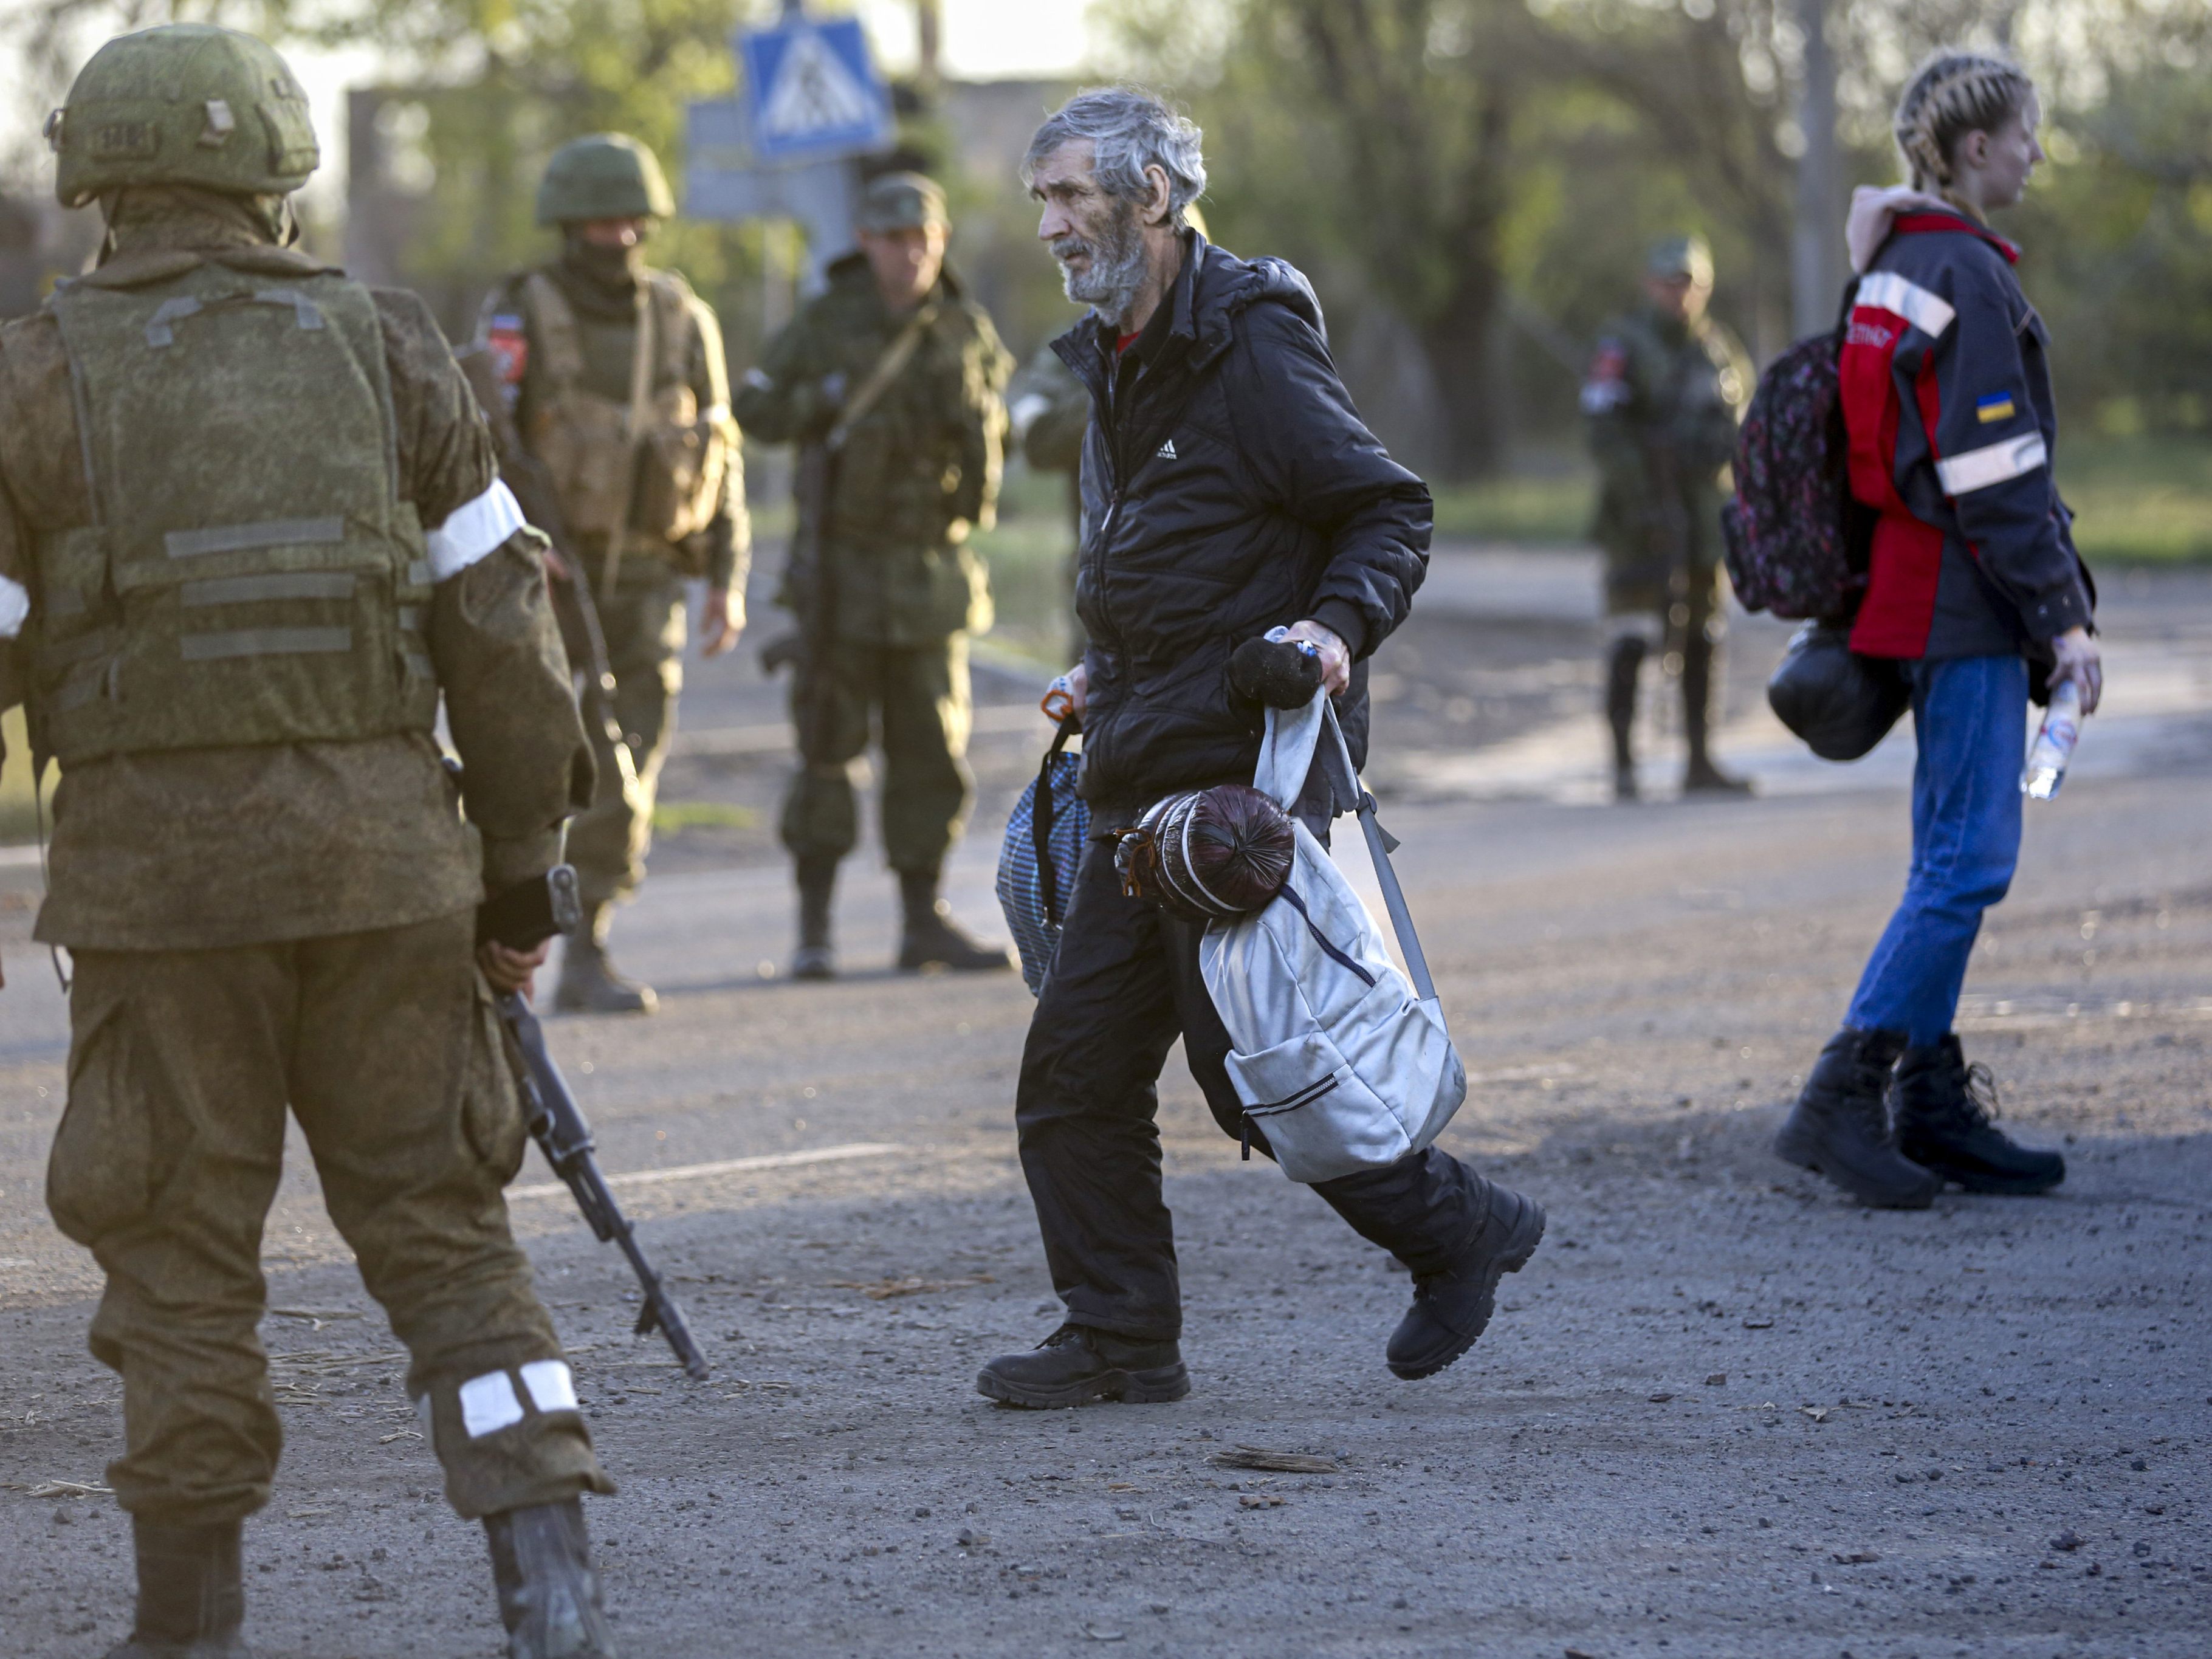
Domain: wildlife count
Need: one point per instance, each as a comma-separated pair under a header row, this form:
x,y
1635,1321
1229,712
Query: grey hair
x,y
1130,128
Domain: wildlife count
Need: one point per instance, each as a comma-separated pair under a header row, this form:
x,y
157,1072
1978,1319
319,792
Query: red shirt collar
x,y
1123,342
1909,224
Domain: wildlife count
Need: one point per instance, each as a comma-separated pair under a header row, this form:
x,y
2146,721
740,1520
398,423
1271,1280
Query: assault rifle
x,y
573,607
811,590
522,918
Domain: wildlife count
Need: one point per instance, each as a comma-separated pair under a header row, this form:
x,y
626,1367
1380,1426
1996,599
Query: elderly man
x,y
1229,487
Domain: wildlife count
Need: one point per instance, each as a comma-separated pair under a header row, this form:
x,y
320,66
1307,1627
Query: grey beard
x,y
1117,268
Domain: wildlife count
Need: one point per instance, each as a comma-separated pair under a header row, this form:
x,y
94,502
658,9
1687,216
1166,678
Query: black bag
x,y
1795,539
1839,702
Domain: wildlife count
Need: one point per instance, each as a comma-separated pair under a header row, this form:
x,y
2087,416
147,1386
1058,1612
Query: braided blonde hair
x,y
1951,94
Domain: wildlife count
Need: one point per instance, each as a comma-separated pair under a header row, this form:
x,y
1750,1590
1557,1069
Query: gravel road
x,y
1722,1413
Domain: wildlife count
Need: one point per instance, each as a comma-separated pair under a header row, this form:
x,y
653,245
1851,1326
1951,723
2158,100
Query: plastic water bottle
x,y
2054,742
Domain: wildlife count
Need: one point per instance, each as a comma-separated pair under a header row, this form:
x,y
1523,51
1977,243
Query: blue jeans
x,y
1969,719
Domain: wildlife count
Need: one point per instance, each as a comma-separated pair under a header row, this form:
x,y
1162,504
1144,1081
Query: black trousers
x,y
1123,986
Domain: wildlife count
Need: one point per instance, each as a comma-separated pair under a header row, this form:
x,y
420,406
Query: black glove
x,y
1278,673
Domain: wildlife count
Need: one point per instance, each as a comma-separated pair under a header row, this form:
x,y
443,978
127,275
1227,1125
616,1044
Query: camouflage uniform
x,y
916,472
1664,397
565,336
260,863
1049,410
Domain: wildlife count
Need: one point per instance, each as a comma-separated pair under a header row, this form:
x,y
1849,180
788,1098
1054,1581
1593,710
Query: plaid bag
x,y
1038,860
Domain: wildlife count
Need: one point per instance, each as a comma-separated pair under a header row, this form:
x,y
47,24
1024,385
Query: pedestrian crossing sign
x,y
812,92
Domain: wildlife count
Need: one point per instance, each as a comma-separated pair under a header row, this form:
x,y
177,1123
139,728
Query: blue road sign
x,y
812,92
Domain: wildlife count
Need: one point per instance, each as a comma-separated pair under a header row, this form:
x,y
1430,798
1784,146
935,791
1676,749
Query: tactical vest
x,y
250,574
666,479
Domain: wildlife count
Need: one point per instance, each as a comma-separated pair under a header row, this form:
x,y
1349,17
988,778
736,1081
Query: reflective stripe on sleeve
x,y
473,530
15,607
1978,469
1885,290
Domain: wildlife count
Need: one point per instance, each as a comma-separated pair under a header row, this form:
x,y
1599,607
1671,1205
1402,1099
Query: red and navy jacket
x,y
1946,401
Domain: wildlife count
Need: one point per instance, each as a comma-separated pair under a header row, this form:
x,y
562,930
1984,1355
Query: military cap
x,y
608,175
901,201
1681,256
184,104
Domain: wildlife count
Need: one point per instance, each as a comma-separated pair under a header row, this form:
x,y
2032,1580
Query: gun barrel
x,y
557,1124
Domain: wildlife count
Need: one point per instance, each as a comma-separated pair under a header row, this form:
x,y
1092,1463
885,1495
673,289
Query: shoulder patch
x,y
1996,407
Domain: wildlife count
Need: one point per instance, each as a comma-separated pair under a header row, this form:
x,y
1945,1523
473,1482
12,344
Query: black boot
x,y
191,1599
1451,1308
1946,1113
549,1596
930,939
816,957
1622,666
1076,1364
590,983
1702,776
1840,1125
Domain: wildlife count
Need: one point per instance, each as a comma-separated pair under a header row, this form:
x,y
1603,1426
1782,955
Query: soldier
x,y
250,531
892,379
1049,410
615,377
1665,391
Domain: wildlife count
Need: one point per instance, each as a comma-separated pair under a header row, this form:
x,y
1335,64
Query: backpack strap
x,y
1380,846
560,336
1041,812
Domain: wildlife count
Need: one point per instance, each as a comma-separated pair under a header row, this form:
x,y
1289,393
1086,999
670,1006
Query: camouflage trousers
x,y
918,698
385,1047
645,625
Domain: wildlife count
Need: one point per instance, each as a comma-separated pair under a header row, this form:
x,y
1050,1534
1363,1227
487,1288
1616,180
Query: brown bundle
x,y
1206,854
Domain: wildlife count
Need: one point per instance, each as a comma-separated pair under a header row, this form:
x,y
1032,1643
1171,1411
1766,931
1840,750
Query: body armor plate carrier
x,y
250,574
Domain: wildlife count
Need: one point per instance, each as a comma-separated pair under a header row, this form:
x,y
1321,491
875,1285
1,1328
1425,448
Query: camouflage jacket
x,y
1663,401
201,848
606,327
917,471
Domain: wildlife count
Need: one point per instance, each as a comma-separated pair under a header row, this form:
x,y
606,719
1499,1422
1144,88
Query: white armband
x,y
15,607
473,530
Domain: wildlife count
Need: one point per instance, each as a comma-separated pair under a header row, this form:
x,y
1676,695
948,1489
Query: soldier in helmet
x,y
1666,389
614,374
251,536
898,375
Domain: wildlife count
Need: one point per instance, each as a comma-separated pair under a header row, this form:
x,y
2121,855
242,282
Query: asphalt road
x,y
1722,1413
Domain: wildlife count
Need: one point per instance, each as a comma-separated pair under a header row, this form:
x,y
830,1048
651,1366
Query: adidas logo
x,y
1166,451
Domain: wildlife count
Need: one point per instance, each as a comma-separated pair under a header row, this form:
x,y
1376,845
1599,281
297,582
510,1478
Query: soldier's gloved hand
x,y
510,969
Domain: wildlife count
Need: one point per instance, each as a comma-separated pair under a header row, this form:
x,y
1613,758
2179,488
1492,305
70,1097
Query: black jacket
x,y
1229,486
1946,400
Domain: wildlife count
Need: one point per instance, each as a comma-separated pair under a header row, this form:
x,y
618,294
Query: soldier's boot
x,y
816,956
548,1595
1946,1113
192,1598
1451,1308
1701,776
1840,1128
932,939
1622,666
590,983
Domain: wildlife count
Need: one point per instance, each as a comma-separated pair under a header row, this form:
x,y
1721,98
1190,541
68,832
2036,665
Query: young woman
x,y
1975,583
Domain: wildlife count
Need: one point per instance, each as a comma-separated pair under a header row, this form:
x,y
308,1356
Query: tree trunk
x,y
1461,344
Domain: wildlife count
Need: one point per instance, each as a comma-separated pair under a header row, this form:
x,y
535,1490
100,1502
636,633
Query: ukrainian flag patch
x,y
1997,406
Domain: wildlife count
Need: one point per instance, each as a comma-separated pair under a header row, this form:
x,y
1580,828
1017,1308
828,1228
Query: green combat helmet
x,y
185,104
609,175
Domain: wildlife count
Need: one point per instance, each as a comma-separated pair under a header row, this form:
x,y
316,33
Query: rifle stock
x,y
557,1124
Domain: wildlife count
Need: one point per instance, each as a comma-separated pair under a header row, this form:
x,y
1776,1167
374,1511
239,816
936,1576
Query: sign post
x,y
788,146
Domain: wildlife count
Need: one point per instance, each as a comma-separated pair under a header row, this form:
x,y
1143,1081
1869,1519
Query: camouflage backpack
x,y
1796,541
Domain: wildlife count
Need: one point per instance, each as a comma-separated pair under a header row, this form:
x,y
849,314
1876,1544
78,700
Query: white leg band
x,y
489,1404
551,1386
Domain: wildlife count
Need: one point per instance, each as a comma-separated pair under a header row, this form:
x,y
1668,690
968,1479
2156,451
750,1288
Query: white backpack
x,y
1341,1063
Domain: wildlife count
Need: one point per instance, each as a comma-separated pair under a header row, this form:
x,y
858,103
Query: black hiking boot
x,y
931,939
191,1599
816,957
590,984
549,1596
1702,777
1839,1127
1076,1364
1946,1120
1451,1308
1623,663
